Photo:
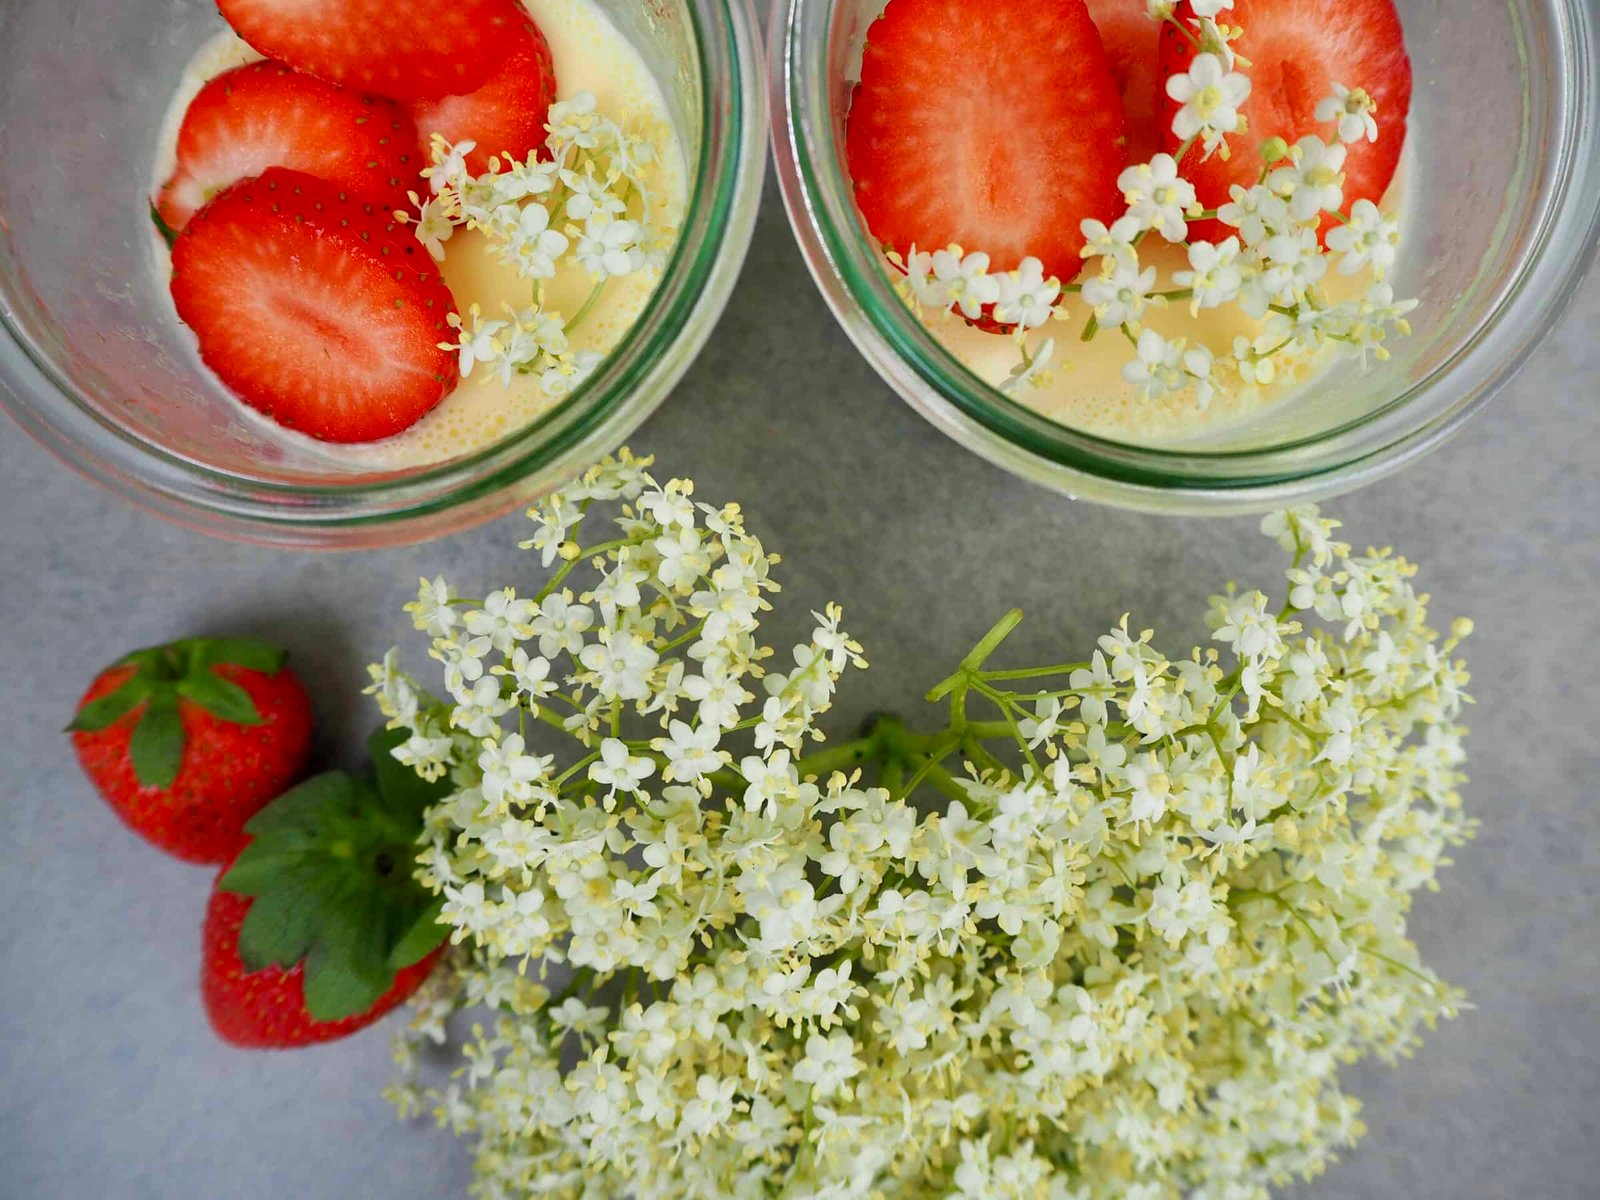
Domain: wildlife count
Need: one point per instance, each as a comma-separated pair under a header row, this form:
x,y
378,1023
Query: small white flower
x,y
619,770
590,197
1114,242
449,164
966,280
1214,274
560,624
691,753
1158,366
1294,262
1253,364
1030,370
829,1063
535,177
610,248
434,227
1211,97
1118,296
622,666
1355,111
1159,197
1197,364
431,611
1025,297
476,339
569,373
503,619
530,244
574,122
1368,239
1313,180
1256,212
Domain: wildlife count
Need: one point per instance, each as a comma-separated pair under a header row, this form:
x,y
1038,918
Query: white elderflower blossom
x,y
1032,368
1210,96
1312,180
1118,295
1353,110
1368,239
582,203
476,339
1024,296
723,957
1214,275
1158,197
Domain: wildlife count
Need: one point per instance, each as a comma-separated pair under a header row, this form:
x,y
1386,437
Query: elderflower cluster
x,y
1108,933
1273,268
582,203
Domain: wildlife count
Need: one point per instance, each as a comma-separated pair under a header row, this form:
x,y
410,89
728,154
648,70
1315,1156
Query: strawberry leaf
x,y
167,232
250,653
220,697
346,969
404,791
425,936
156,747
284,923
110,708
330,871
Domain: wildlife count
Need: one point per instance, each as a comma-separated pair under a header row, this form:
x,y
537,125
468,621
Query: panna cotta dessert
x,y
1143,219
400,230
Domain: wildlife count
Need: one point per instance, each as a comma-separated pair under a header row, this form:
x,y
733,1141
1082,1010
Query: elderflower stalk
x,y
1107,928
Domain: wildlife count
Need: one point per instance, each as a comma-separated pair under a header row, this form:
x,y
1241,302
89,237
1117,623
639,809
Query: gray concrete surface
x,y
112,1086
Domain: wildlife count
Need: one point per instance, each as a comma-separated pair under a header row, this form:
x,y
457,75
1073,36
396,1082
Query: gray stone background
x,y
114,1087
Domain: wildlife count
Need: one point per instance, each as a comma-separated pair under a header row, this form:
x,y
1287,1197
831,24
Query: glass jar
x,y
1504,179
94,364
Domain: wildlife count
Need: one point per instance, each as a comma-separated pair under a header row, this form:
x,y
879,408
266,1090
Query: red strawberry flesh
x,y
315,307
1133,44
407,49
1297,51
507,114
991,124
265,114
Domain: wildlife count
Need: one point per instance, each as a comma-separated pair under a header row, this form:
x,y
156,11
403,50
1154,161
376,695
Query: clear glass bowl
x,y
94,364
1504,170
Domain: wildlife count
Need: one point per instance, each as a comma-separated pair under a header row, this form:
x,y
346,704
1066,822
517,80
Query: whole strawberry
x,y
318,927
186,742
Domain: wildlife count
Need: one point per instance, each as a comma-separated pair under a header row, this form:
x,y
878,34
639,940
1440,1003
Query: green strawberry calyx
x,y
330,869
163,675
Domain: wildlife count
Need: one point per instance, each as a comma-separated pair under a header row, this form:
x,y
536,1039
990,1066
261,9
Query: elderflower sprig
x,y
1273,267
583,202
1108,928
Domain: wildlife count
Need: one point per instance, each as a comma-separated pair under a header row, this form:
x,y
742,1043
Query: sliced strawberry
x,y
265,114
992,124
315,307
407,49
1133,44
1297,51
507,114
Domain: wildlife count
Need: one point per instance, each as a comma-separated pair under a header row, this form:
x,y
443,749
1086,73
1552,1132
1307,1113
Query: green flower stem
x,y
1183,29
587,306
583,555
1034,672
